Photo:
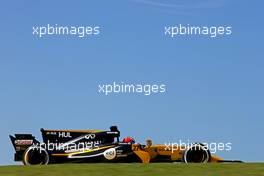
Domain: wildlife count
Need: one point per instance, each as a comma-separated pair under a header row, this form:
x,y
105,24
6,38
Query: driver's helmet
x,y
129,140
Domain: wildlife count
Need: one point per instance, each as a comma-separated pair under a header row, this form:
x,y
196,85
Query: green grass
x,y
164,169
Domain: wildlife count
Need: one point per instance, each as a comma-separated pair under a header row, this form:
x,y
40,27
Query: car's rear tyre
x,y
35,155
197,153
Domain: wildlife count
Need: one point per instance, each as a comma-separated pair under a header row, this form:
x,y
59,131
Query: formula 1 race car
x,y
61,146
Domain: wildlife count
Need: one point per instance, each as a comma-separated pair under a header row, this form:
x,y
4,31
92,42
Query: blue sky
x,y
214,86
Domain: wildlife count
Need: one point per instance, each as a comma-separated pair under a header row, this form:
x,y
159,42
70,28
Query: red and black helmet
x,y
129,140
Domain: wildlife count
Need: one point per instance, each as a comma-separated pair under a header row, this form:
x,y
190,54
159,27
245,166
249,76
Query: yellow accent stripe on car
x,y
80,152
80,131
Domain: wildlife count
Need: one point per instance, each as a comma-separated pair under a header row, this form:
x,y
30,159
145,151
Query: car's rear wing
x,y
20,143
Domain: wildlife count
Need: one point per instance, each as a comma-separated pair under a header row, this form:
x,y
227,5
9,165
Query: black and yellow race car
x,y
78,146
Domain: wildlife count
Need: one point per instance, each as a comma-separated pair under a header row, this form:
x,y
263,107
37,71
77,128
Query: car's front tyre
x,y
197,153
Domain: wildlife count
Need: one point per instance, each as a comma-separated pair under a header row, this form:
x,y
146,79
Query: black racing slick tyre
x,y
197,153
35,155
